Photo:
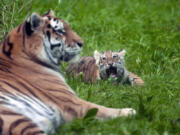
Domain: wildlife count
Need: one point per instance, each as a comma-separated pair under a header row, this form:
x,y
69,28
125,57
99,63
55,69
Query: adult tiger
x,y
34,97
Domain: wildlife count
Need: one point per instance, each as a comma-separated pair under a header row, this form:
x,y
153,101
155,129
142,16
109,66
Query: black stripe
x,y
65,91
28,127
13,87
65,100
4,70
27,88
3,102
16,124
24,36
28,29
5,112
10,45
3,90
48,35
4,63
3,98
50,97
37,133
1,125
44,64
55,81
55,45
19,28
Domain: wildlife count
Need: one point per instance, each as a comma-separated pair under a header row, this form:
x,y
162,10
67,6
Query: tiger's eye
x,y
103,58
60,31
120,62
115,56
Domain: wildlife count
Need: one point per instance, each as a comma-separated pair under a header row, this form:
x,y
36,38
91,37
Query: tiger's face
x,y
110,63
54,40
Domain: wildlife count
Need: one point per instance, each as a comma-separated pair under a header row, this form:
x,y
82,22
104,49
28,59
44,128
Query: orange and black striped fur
x,y
87,66
34,97
104,66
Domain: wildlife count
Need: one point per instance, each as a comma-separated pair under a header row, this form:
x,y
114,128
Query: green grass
x,y
149,30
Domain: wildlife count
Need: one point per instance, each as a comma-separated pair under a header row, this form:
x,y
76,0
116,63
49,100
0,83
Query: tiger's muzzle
x,y
111,72
71,54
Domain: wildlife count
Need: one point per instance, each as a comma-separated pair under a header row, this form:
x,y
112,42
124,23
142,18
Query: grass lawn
x,y
149,30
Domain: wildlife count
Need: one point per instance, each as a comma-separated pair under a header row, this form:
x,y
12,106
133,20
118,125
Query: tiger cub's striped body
x,y
108,65
87,66
34,97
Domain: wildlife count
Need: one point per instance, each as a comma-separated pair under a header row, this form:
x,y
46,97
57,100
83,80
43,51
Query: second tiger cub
x,y
105,66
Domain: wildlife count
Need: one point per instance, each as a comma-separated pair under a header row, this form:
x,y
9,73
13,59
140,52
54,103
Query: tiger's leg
x,y
12,123
136,79
78,108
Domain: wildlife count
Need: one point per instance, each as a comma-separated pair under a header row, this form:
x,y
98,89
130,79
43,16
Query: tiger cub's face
x,y
110,63
52,39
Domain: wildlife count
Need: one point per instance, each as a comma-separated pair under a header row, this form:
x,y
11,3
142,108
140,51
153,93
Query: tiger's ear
x,y
122,53
33,23
97,56
49,13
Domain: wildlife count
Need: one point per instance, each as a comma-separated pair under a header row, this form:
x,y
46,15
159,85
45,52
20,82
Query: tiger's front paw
x,y
127,112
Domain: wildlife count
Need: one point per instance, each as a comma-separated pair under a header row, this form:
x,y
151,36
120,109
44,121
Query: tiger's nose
x,y
80,44
110,64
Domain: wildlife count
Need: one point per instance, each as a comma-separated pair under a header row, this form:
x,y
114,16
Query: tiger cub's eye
x,y
103,58
115,56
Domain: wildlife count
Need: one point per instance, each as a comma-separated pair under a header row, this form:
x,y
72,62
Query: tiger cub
x,y
107,65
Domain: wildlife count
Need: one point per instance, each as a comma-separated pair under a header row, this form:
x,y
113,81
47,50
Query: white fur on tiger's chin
x,y
74,59
46,117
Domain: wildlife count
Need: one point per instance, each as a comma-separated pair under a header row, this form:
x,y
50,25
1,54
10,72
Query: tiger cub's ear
x,y
97,56
33,23
122,53
49,13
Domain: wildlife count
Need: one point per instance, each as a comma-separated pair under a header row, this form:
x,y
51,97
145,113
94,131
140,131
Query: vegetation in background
x,y
149,30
